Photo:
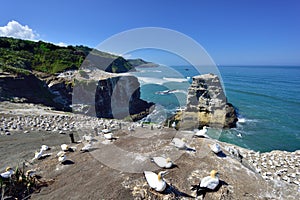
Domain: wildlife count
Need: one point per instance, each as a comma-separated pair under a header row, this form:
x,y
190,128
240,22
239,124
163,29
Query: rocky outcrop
x,y
110,96
26,88
207,104
107,96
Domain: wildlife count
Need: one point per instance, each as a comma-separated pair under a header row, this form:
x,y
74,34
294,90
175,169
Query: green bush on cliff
x,y
17,55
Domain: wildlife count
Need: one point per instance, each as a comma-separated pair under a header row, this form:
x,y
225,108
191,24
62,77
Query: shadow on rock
x,y
221,154
174,191
68,162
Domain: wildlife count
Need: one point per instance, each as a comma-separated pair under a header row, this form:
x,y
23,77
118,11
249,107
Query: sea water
x,y
267,99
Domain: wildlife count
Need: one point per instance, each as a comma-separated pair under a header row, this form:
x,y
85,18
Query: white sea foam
x,y
179,80
179,91
241,120
145,80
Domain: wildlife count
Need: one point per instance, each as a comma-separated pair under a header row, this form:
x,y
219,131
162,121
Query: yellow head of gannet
x,y
64,147
214,173
156,181
8,172
208,183
8,169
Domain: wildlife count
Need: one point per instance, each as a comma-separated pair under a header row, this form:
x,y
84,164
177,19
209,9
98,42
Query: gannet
x,y
64,147
30,173
179,143
108,136
156,181
215,148
173,125
8,172
105,131
131,128
38,155
44,147
86,147
202,132
162,162
62,158
88,138
208,183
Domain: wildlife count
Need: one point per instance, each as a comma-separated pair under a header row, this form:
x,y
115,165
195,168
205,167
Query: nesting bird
x,y
202,132
162,162
7,174
30,173
38,155
64,147
179,143
106,130
215,148
156,181
208,183
131,128
44,147
86,147
173,125
61,157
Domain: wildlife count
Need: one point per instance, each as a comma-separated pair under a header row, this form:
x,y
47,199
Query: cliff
x,y
207,104
26,88
109,96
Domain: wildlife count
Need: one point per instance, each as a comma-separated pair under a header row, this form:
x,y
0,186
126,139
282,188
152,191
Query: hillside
x,y
24,56
141,63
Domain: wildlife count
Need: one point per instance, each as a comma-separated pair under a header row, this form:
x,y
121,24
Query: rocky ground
x,y
113,169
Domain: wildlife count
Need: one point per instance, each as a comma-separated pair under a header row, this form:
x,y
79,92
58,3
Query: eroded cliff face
x,y
107,95
111,96
207,104
26,88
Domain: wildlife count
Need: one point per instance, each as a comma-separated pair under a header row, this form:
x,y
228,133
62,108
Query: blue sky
x,y
239,32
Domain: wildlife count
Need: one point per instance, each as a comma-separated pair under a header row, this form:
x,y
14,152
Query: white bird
x,y
38,155
64,147
202,132
60,153
131,128
156,181
44,147
88,138
62,158
8,172
173,125
86,147
108,136
215,148
179,143
208,183
162,162
105,131
30,173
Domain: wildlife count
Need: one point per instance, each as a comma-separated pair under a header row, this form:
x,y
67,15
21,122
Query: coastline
x,y
272,169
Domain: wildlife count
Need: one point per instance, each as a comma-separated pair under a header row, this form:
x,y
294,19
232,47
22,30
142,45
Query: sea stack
x,y
207,105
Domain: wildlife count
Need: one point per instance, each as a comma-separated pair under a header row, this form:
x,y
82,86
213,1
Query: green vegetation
x,y
23,56
141,63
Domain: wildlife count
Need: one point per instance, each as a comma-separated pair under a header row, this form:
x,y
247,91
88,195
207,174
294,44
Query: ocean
x,y
267,99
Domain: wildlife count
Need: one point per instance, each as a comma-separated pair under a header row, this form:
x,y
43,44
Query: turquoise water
x,y
267,99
